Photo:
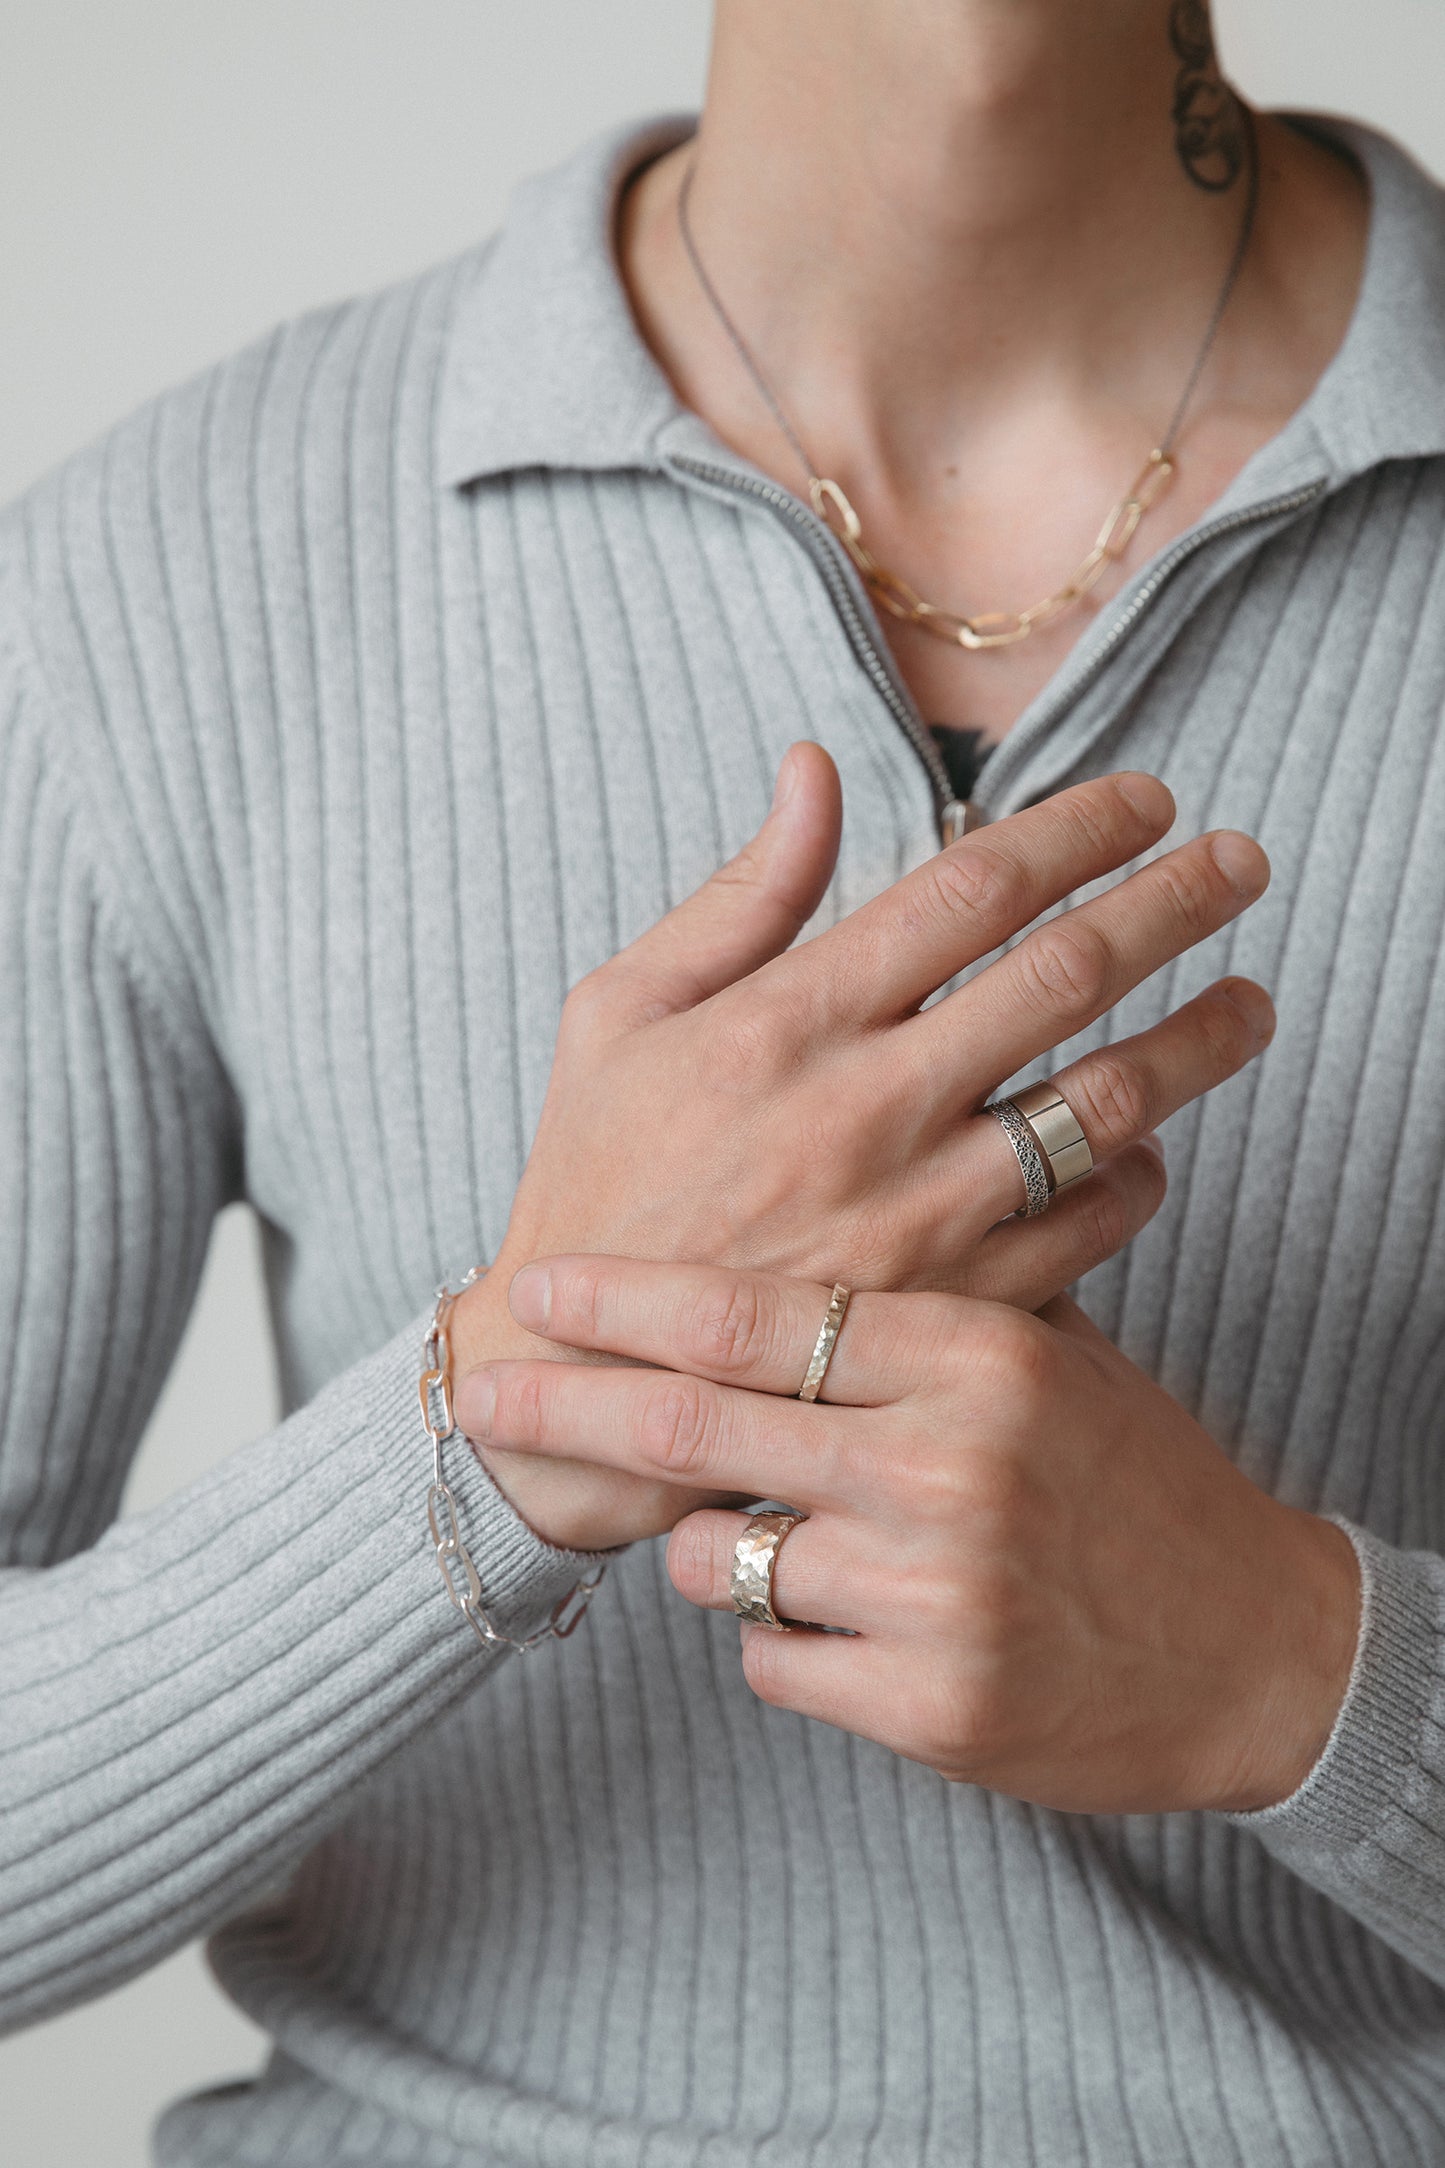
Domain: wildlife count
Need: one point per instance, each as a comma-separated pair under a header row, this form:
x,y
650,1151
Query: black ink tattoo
x,y
1208,121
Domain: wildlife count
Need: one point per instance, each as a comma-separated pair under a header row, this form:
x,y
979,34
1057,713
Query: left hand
x,y
1058,1586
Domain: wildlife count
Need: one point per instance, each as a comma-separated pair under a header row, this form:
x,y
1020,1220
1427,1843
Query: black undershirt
x,y
964,753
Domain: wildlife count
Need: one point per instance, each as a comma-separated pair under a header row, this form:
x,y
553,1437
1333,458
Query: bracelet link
x,y
454,1561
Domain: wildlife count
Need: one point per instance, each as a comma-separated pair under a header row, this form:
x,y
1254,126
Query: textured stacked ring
x,y
1048,1143
754,1557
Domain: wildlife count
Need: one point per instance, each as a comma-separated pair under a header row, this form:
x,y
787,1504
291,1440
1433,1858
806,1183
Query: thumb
x,y
752,908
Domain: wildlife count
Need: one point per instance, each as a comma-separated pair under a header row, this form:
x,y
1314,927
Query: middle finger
x,y
823,1574
671,1429
1066,974
1116,1093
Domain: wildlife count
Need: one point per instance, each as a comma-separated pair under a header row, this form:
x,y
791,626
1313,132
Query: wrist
x,y
1306,1664
482,1328
571,1504
547,1495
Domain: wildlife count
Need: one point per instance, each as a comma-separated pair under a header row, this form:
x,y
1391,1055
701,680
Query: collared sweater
x,y
354,700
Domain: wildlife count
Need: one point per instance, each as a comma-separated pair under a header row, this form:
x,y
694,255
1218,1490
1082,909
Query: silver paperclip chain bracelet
x,y
463,1583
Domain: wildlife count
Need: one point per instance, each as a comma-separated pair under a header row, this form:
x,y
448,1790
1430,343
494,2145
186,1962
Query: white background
x,y
175,175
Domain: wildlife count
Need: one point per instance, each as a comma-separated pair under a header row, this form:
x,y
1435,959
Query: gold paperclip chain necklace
x,y
995,628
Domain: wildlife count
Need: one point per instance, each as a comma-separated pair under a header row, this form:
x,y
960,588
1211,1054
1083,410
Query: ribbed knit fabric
x,y
354,700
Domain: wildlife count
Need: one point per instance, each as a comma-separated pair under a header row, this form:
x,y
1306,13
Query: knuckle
x,y
1012,1355
676,1429
579,1296
729,1327
1094,817
1117,1102
1191,887
1068,966
984,1492
974,884
588,1003
692,1560
519,1416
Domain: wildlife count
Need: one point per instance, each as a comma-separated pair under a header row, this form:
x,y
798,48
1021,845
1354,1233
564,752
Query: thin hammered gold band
x,y
825,1343
754,1557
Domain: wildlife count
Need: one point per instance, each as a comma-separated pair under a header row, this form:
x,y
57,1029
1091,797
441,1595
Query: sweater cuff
x,y
1370,1760
523,1578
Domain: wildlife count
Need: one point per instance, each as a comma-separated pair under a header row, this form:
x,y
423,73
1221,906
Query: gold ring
x,y
825,1343
754,1556
1051,1148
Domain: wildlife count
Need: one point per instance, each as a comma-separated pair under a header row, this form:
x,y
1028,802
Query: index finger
x,y
755,1329
887,957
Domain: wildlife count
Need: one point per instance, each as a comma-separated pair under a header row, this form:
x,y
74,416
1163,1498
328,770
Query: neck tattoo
x,y
1210,123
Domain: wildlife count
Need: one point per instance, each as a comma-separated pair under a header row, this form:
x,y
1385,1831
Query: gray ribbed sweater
x,y
353,701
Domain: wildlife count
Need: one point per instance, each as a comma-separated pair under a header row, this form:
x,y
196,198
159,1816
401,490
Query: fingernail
x,y
1152,800
530,1297
476,1403
1241,861
1254,1005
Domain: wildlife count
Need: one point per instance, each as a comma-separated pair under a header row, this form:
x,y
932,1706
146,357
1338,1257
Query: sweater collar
x,y
546,366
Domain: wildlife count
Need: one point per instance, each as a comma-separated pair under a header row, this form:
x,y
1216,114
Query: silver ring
x,y
1051,1148
1037,1194
754,1556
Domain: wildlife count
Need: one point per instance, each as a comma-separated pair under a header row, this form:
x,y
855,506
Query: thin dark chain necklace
x,y
994,628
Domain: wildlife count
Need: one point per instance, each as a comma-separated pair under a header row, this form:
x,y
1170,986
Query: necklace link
x,y
992,628
889,590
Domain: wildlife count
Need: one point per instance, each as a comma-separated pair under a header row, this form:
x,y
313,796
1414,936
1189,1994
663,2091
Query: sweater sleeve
x,y
189,1697
1367,1825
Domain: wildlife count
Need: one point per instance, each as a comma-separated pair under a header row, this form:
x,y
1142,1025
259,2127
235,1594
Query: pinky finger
x,y
828,1677
1025,1262
862,1686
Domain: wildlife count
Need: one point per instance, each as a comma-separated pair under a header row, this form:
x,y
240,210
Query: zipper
x,y
958,816
954,815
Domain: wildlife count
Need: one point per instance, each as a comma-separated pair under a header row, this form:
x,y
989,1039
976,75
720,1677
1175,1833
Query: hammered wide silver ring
x,y
754,1556
1048,1143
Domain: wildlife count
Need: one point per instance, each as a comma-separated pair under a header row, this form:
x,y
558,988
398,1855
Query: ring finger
x,y
1117,1094
820,1569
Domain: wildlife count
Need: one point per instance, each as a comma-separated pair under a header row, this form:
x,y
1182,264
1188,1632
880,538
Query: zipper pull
x,y
958,818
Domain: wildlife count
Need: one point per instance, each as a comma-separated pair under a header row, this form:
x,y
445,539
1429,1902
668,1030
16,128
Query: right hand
x,y
718,1096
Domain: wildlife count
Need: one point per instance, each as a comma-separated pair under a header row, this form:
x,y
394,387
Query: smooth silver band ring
x,y
1048,1143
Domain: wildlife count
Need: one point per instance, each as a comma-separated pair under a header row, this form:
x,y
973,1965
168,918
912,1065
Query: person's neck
x,y
923,210
974,254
